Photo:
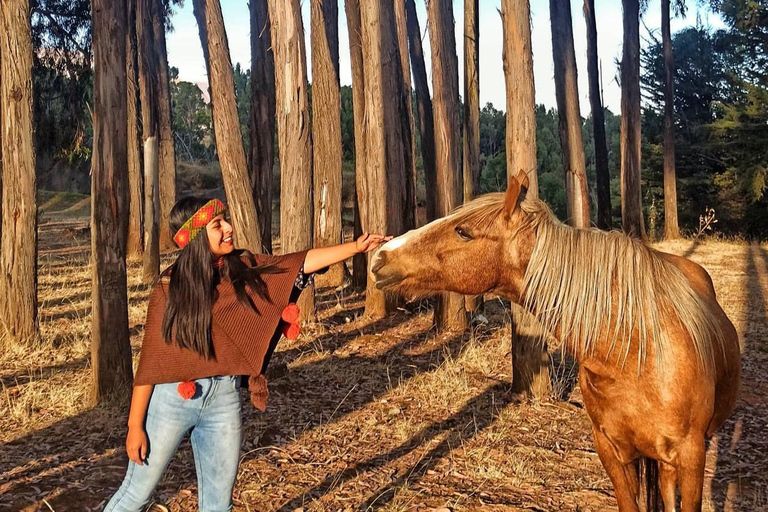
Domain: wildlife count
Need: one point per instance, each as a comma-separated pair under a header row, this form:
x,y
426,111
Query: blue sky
x,y
185,53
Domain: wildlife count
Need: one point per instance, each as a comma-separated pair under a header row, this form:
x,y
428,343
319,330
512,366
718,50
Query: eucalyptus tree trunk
x,y
381,189
293,135
136,200
424,107
148,86
110,338
18,249
450,310
262,120
352,8
604,214
521,107
167,160
326,132
569,114
671,228
407,131
631,199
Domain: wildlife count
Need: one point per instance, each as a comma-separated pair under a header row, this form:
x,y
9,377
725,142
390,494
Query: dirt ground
x,y
362,415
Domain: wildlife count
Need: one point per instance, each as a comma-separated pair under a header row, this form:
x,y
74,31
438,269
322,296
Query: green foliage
x,y
192,122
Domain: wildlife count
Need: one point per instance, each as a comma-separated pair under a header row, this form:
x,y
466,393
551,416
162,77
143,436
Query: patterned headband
x,y
196,223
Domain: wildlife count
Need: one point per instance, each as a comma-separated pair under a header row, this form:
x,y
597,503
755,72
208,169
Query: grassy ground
x,y
381,416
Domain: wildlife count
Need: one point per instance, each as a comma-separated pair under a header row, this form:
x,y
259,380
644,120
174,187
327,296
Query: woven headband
x,y
192,227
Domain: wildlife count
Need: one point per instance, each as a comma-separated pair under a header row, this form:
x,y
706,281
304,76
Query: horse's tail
x,y
649,490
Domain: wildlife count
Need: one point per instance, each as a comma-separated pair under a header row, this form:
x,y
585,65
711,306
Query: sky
x,y
185,53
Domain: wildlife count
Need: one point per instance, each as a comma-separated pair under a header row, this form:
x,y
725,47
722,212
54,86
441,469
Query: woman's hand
x,y
369,241
137,445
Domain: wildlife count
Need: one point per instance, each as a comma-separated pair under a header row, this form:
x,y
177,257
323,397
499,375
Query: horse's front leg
x,y
623,475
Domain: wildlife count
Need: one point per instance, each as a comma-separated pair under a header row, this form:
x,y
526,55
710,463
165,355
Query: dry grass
x,y
368,416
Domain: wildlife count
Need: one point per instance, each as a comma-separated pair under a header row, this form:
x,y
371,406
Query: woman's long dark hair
x,y
194,279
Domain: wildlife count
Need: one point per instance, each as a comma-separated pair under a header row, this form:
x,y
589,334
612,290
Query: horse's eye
x,y
463,234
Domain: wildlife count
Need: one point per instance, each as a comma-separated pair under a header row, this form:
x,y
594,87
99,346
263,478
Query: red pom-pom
x,y
291,331
187,389
290,313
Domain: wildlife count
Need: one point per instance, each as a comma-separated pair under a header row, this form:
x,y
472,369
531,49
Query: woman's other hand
x,y
137,445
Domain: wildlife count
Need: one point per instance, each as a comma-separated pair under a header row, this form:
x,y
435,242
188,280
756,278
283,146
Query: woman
x,y
216,314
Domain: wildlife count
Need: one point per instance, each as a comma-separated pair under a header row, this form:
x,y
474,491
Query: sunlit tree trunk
x,y
407,130
671,228
110,339
148,86
167,158
424,107
293,135
262,121
631,199
569,115
604,214
326,132
518,75
18,250
449,312
136,190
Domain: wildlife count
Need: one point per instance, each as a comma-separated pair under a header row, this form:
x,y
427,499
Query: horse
x,y
659,360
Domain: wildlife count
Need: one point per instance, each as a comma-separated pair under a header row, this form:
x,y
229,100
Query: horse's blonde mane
x,y
575,276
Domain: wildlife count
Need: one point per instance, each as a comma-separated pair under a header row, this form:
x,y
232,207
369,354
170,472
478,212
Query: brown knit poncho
x,y
241,337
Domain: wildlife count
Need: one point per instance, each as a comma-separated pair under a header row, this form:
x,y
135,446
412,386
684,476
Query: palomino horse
x,y
659,360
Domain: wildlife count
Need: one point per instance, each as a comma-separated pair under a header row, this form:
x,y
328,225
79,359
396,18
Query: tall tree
x,y
518,76
631,200
293,136
569,114
407,129
262,121
449,313
136,189
229,139
110,339
604,220
167,159
352,8
18,249
326,132
148,86
381,188
671,228
424,107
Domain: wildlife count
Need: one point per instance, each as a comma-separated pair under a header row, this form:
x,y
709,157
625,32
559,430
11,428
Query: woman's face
x,y
219,236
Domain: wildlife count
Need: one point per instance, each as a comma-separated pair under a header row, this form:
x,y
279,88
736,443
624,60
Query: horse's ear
x,y
516,190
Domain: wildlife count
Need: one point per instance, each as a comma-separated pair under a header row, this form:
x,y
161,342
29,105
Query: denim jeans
x,y
213,417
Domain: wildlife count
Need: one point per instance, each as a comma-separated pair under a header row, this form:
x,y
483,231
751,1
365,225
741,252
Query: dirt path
x,y
382,416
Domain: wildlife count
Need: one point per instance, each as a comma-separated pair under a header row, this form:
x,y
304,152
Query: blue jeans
x,y
213,417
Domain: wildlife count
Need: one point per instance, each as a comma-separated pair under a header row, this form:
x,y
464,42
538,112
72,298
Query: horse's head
x,y
471,251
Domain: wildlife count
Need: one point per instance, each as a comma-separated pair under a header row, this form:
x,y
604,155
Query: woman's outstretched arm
x,y
322,257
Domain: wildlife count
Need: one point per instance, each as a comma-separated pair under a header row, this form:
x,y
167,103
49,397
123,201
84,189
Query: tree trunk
x,y
631,199
671,228
167,163
111,344
262,122
199,10
407,130
471,114
136,189
229,139
149,106
381,188
352,7
449,312
530,373
18,250
521,107
424,107
293,135
326,132
569,115
604,214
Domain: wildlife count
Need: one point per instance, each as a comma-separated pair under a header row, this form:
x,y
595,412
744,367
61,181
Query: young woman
x,y
216,314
